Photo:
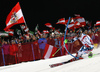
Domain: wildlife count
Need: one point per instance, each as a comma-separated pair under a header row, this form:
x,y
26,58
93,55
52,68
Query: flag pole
x,y
22,29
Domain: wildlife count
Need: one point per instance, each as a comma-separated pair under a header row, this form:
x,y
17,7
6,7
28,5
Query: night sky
x,y
43,11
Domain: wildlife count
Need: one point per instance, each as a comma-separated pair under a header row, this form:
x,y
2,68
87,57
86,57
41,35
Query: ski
x,y
62,63
72,60
58,64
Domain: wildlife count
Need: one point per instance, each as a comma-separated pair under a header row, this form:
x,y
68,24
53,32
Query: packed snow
x,y
84,65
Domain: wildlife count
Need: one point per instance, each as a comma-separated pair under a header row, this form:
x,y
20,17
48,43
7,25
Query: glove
x,y
69,41
66,40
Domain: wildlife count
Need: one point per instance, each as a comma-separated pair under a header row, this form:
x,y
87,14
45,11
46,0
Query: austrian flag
x,y
49,25
81,20
49,51
25,28
14,17
10,32
61,21
45,31
97,23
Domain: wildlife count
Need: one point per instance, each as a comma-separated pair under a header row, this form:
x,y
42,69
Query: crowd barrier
x,y
29,52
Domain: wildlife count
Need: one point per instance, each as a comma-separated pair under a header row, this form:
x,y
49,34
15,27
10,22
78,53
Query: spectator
x,y
57,41
6,50
92,35
19,54
51,41
24,38
37,37
33,38
95,40
27,38
52,35
42,41
13,52
70,36
16,41
85,32
21,38
83,28
37,50
58,44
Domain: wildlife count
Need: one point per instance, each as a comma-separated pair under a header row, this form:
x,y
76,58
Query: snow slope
x,y
85,65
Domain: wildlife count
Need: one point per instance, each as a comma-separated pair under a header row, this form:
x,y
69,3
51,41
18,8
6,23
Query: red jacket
x,y
13,49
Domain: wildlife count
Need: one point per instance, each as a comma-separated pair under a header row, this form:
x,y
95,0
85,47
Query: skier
x,y
87,44
85,49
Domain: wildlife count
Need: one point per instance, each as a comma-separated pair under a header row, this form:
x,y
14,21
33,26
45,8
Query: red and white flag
x,y
77,25
81,20
49,25
45,31
10,32
57,31
97,23
70,21
61,21
77,15
49,51
39,32
25,28
72,24
14,17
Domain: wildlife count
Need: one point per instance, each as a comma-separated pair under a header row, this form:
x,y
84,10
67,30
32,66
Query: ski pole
x,y
56,51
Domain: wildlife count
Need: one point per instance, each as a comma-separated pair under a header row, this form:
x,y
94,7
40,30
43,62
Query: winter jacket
x,y
51,41
13,49
6,49
96,39
42,42
57,43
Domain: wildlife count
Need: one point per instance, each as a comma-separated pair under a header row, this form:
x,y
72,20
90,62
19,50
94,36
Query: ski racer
x,y
86,41
85,49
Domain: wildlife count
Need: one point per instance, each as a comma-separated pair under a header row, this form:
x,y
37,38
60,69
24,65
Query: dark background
x,y
43,11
